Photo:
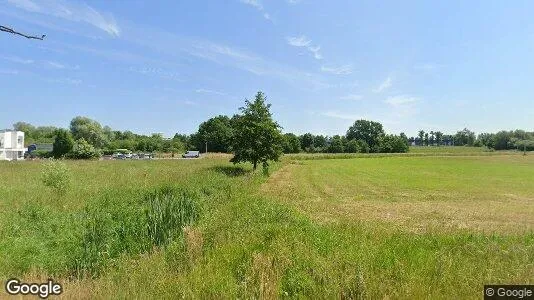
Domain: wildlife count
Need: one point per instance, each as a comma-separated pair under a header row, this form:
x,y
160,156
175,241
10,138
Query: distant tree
x,y
291,143
363,147
83,150
421,136
426,139
217,132
432,138
89,130
439,138
63,143
27,128
502,140
336,145
368,131
257,137
464,137
486,139
319,141
393,144
353,147
307,141
405,138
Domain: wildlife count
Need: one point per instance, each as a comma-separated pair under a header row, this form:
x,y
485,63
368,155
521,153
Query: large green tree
x,y
336,145
291,143
217,132
63,143
306,141
257,137
89,130
368,131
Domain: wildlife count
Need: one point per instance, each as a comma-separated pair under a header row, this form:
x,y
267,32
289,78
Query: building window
x,y
19,140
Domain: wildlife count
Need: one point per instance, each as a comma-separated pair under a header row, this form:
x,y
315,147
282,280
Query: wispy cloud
x,y
17,60
303,41
352,97
403,106
9,72
159,72
207,91
343,116
61,66
341,70
70,81
401,100
258,6
386,84
293,2
427,66
71,11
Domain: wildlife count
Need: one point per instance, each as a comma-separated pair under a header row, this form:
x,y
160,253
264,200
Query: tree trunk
x,y
255,165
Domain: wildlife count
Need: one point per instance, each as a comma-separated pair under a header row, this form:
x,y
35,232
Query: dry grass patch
x,y
483,194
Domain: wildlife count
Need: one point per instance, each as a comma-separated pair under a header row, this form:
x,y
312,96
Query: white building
x,y
12,145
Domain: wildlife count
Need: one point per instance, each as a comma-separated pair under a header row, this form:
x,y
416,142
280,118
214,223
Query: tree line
x,y
254,126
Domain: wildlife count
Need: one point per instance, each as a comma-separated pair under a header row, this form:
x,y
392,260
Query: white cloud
x,y
353,97
158,72
343,116
71,11
341,70
25,4
67,80
386,84
403,106
299,41
9,72
303,41
293,2
56,65
207,91
254,3
427,66
258,6
401,100
17,60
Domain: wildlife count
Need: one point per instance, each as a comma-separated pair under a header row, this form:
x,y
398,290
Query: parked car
x,y
191,154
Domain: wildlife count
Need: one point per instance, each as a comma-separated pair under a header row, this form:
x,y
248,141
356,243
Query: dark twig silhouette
x,y
10,30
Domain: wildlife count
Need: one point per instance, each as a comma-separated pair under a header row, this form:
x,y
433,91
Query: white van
x,y
191,154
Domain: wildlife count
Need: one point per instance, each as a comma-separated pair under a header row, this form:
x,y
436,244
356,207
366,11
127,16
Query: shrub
x,y
56,175
63,143
363,146
83,150
168,211
392,144
352,147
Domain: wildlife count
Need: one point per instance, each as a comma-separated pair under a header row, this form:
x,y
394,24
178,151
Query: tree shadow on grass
x,y
231,171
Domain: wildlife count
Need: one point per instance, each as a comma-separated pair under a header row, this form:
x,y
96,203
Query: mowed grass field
x,y
368,227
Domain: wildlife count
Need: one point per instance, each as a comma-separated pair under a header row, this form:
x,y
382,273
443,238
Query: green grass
x,y
398,227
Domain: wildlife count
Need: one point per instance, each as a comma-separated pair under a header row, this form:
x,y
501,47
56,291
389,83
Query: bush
x,y
63,143
363,146
56,175
42,154
392,144
84,150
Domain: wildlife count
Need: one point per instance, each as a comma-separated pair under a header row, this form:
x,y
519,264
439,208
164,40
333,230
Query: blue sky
x,y
166,66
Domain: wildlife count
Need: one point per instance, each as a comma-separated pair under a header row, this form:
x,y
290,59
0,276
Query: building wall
x,y
11,145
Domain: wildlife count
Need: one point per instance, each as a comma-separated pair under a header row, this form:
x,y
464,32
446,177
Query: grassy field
x,y
397,227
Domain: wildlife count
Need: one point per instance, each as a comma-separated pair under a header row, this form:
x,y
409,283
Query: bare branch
x,y
10,30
